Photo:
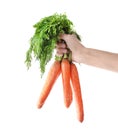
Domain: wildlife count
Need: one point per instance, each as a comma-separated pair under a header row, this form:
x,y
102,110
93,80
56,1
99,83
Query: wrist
x,y
81,56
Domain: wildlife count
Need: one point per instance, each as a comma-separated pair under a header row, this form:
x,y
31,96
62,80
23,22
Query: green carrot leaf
x,y
46,35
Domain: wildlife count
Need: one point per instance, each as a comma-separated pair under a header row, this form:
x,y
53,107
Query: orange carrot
x,y
52,76
65,68
77,92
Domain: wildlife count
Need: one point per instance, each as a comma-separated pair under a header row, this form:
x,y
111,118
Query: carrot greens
x,y
46,35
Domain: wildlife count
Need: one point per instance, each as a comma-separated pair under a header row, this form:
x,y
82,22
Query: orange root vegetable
x,y
52,76
65,69
77,92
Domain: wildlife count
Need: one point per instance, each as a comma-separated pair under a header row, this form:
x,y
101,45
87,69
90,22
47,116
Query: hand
x,y
73,44
89,56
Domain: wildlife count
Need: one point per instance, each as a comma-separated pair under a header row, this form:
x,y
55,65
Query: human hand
x,y
72,44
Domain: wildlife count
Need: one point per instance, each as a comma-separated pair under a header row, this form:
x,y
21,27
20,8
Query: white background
x,y
97,23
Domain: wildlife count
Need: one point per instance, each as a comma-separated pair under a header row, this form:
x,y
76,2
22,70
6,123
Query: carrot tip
x,y
68,104
39,105
81,121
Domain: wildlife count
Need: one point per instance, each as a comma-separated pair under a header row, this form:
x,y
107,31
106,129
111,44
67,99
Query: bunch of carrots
x,y
71,84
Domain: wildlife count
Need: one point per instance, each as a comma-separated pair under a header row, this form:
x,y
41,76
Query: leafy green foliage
x,y
46,35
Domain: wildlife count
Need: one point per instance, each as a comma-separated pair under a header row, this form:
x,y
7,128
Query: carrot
x,y
65,68
52,76
77,92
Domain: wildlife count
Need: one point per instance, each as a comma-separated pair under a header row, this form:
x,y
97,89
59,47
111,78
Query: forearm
x,y
101,59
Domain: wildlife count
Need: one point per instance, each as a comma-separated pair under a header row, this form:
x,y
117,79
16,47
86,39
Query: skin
x,y
81,54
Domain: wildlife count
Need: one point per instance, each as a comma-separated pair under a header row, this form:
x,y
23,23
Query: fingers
x,y
61,49
67,36
63,36
60,45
